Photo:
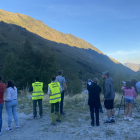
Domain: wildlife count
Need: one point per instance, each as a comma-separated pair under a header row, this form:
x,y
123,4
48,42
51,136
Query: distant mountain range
x,y
133,66
74,55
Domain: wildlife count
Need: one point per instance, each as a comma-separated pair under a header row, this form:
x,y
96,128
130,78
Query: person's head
x,y
95,81
36,78
53,78
10,84
133,82
60,73
105,75
128,85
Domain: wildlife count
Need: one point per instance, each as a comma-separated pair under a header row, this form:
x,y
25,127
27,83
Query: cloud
x,y
122,52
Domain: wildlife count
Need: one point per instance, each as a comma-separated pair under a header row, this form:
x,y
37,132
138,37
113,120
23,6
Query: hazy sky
x,y
110,25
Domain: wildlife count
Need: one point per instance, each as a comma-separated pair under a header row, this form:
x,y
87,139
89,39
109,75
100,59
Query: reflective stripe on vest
x,y
55,90
37,91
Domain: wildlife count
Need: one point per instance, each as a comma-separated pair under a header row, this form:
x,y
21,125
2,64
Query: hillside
x,y
74,55
132,66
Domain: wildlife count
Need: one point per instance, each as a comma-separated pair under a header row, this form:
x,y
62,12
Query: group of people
x,y
10,103
130,88
56,93
55,90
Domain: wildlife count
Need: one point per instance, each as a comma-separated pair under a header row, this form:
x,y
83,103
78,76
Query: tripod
x,y
124,104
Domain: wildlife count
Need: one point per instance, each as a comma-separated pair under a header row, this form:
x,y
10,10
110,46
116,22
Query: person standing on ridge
x,y
62,82
94,100
88,85
2,89
109,95
54,91
11,104
37,96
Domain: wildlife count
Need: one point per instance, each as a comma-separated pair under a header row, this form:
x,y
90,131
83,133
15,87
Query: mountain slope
x,y
74,55
132,66
38,27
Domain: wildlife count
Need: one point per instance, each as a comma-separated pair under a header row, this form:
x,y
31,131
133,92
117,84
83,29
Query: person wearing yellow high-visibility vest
x,y
37,96
54,91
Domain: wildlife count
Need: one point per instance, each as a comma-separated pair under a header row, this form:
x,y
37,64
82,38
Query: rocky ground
x,y
75,126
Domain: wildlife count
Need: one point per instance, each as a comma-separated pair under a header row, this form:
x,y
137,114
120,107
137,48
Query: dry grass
x,y
73,101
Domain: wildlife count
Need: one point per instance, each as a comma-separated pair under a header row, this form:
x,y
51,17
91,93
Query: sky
x,y
112,26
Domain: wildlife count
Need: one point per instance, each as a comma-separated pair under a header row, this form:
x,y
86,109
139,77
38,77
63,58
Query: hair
x,y
60,72
53,78
37,78
128,85
10,84
95,81
133,82
107,74
0,77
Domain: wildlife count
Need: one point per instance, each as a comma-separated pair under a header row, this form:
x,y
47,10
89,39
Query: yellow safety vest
x,y
55,92
37,91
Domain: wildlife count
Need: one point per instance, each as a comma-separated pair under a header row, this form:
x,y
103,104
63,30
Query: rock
x,y
79,120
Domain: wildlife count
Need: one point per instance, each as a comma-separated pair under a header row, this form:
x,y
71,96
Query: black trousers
x,y
96,110
35,105
55,107
61,103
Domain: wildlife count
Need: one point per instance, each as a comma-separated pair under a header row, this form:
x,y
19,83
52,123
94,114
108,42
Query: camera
x,y
123,82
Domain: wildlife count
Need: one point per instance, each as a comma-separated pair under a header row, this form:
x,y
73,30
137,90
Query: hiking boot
x,y
112,120
9,129
126,118
107,121
131,119
17,127
58,121
97,124
62,113
53,124
40,117
34,117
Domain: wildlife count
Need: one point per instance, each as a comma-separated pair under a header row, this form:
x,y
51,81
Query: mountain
x,y
74,55
132,66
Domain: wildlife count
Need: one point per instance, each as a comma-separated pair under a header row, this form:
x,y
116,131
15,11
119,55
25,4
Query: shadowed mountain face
x,y
72,54
133,66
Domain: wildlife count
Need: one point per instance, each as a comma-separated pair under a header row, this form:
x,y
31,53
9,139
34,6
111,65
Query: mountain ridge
x,y
132,66
44,30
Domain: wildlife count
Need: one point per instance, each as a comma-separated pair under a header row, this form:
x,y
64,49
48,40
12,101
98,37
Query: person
x,y
62,82
37,96
94,100
136,84
130,95
11,104
2,89
54,91
109,95
88,84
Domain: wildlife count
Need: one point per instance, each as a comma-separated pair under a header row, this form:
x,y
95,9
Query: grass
x,y
72,103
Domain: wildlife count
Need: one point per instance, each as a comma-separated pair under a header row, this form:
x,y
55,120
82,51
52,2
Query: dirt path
x,y
71,128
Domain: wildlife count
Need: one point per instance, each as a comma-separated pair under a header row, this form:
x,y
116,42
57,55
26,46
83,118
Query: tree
x,y
8,70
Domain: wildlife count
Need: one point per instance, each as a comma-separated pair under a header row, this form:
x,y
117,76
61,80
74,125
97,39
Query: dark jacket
x,y
94,95
108,89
